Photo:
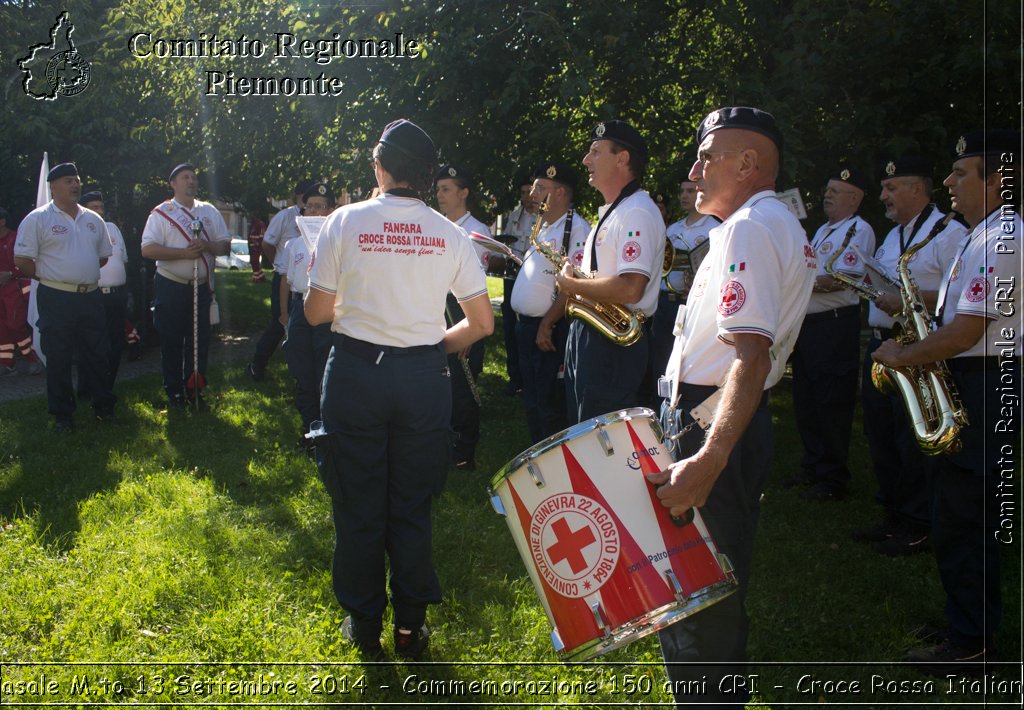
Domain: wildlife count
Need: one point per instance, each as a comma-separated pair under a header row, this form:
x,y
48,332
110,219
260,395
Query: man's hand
x,y
890,304
544,342
194,250
686,484
889,353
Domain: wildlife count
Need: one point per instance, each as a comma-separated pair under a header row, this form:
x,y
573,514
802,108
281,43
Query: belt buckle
x,y
81,288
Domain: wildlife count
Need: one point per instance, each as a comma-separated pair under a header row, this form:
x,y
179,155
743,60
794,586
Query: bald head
x,y
731,166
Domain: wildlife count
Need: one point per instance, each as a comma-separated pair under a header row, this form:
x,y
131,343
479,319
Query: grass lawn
x,y
165,558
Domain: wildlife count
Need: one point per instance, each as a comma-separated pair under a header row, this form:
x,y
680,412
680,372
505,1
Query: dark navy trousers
x,y
386,413
508,326
306,352
825,361
543,392
970,492
904,473
172,318
600,376
465,421
70,323
274,332
719,632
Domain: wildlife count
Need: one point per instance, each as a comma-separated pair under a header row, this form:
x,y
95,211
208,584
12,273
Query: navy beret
x,y
742,117
407,137
318,189
91,196
851,176
302,185
908,166
62,170
982,142
453,172
559,172
181,168
622,133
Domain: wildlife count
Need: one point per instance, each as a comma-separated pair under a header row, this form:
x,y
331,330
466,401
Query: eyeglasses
x,y
834,191
704,157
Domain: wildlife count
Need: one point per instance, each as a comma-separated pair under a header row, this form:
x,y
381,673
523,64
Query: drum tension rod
x,y
673,582
595,608
535,474
606,442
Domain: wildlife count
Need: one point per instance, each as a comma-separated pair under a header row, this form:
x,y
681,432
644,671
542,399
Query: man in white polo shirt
x,y
741,320
64,245
169,239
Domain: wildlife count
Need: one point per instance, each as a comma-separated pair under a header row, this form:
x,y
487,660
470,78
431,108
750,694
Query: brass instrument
x,y
861,288
676,260
933,406
615,322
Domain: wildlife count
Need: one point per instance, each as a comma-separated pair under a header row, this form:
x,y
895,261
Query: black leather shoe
x,y
256,375
876,533
362,636
948,657
465,464
412,644
903,544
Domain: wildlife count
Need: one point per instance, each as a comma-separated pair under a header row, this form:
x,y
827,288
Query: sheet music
x,y
880,278
309,228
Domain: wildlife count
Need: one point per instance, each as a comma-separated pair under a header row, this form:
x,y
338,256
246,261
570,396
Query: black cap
x,y
622,133
91,196
742,117
302,185
523,177
453,172
407,137
318,189
62,170
559,172
851,176
908,166
982,142
181,168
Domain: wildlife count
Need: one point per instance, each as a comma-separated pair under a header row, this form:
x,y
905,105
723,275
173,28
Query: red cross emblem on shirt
x,y
570,545
977,289
631,251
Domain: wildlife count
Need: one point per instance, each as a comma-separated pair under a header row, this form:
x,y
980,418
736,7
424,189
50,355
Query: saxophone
x,y
933,405
617,323
861,288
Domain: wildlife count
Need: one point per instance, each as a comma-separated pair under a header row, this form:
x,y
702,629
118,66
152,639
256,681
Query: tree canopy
x,y
500,85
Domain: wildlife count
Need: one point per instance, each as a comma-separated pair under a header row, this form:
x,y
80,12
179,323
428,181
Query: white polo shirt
x,y
630,241
169,226
534,290
282,227
113,272
469,223
984,280
756,278
391,262
685,237
826,241
927,266
65,248
519,223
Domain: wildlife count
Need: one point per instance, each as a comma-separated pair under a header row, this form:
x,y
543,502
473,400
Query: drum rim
x,y
568,434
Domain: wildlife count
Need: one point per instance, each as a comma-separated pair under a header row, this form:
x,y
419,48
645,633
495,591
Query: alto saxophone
x,y
617,323
933,405
861,288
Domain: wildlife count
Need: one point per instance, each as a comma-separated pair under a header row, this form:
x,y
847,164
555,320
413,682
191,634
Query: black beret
x,y
302,185
908,166
992,141
181,168
523,177
743,117
62,170
621,133
453,172
91,196
659,199
407,137
559,172
851,176
318,189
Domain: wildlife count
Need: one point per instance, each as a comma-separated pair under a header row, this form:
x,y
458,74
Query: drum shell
x,y
608,563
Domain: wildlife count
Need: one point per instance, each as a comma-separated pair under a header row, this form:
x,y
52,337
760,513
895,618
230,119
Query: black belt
x,y
974,364
832,314
528,319
881,333
373,353
110,289
669,296
698,393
